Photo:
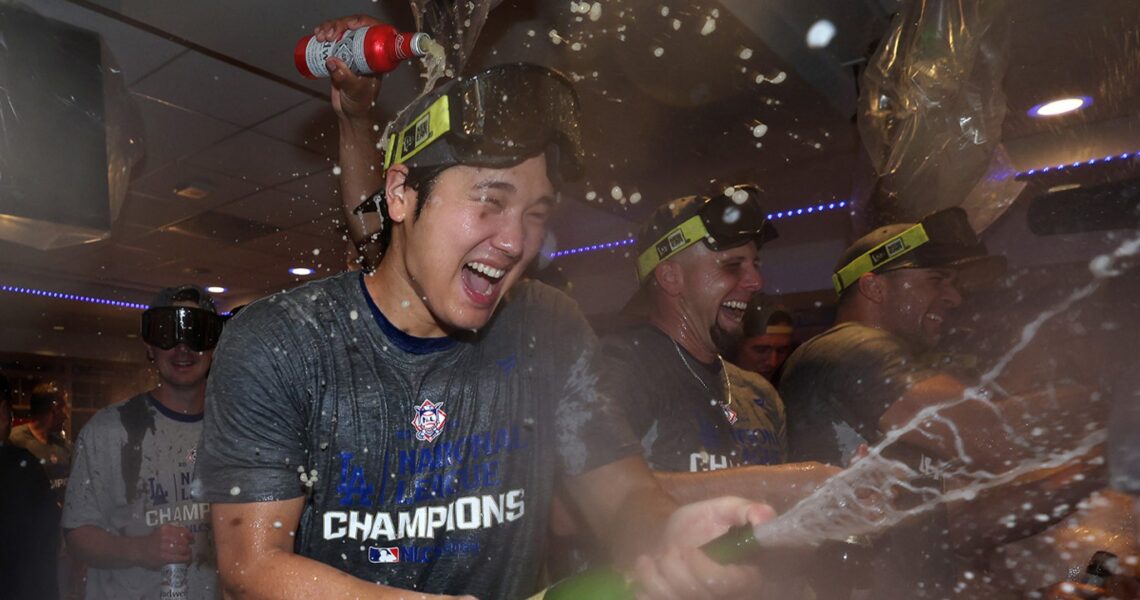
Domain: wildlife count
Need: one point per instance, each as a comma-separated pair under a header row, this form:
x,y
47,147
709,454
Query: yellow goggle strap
x,y
425,129
680,237
879,256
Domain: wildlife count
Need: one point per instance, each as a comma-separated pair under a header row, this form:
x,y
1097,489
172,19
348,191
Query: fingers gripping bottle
x,y
174,582
372,49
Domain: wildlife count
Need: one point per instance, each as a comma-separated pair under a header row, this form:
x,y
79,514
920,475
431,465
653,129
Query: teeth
x,y
487,270
937,318
735,304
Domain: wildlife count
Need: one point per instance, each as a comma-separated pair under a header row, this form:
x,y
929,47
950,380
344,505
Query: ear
x,y
872,287
670,277
399,197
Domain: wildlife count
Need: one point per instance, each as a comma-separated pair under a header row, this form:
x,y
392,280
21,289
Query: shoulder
x,y
749,380
301,301
539,309
20,434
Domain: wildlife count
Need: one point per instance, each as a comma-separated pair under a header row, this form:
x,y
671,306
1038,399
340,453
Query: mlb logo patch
x,y
429,420
381,555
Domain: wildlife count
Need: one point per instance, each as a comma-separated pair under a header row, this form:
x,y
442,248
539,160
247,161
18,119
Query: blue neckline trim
x,y
177,416
403,341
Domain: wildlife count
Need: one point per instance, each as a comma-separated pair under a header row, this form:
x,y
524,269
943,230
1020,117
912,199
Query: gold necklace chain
x,y
723,370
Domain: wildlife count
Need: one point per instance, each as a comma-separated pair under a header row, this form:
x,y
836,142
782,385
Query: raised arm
x,y
353,99
256,559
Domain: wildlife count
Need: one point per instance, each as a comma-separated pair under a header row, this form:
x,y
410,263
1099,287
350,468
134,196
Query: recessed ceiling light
x,y
302,271
1060,106
216,289
57,327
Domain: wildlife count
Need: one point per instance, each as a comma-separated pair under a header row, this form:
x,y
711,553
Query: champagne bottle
x,y
737,545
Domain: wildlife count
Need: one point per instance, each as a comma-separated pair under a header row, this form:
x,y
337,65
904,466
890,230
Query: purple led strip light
x,y
75,297
783,214
1079,163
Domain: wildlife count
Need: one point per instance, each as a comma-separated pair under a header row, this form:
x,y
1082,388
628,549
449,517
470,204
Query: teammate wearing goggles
x,y
405,428
129,509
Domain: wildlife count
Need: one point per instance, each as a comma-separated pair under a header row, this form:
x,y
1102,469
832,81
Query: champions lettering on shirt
x,y
434,487
464,514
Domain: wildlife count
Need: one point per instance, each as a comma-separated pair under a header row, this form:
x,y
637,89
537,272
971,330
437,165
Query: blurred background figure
x,y
769,331
29,518
44,435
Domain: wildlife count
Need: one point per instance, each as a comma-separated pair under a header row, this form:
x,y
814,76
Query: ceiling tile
x,y
218,89
170,132
311,123
136,52
162,182
279,208
261,159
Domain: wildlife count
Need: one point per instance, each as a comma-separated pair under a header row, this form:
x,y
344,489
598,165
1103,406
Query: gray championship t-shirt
x,y
836,386
425,464
131,473
680,409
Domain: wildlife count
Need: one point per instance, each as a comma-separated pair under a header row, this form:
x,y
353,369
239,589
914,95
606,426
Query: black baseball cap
x,y
942,240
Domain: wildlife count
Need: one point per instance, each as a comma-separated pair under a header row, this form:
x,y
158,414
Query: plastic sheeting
x,y
455,25
931,114
44,125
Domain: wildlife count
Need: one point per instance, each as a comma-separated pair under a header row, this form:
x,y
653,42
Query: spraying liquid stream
x,y
839,510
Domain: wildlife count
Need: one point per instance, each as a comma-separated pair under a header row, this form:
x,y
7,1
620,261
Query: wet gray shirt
x,y
425,464
838,384
132,470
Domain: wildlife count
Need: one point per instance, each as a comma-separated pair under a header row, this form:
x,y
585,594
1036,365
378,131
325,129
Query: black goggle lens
x,y
733,220
166,327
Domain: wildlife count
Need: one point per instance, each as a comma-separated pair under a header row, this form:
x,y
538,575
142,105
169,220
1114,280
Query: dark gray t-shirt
x,y
838,384
426,464
681,411
836,387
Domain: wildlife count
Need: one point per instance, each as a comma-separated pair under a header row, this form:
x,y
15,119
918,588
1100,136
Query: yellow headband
x,y
677,239
878,256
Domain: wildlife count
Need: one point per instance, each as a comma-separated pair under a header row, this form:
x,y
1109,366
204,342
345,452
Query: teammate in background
x,y
862,380
44,436
29,518
767,339
129,507
407,425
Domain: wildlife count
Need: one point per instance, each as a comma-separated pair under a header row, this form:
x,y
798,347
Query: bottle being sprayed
x,y
368,50
175,584
738,545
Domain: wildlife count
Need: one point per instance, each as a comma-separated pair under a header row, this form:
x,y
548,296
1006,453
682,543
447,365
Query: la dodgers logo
x,y
429,421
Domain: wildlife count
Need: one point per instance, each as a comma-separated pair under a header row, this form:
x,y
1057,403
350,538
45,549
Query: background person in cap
x,y
44,436
129,507
438,398
767,339
29,517
851,385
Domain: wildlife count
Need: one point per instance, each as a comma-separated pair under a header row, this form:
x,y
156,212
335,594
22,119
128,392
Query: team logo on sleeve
x,y
429,421
380,555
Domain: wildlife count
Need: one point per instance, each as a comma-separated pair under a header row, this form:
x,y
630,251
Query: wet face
x,y
717,286
917,301
473,240
181,367
764,354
